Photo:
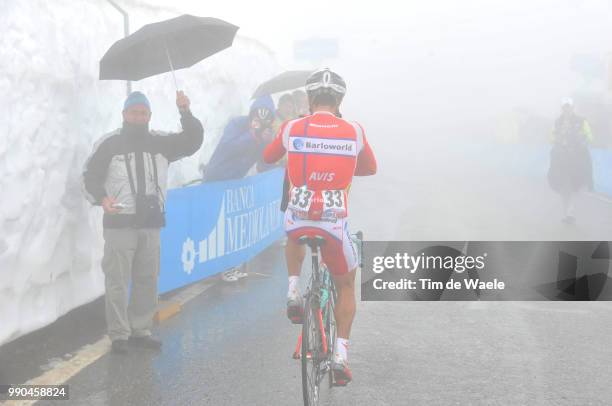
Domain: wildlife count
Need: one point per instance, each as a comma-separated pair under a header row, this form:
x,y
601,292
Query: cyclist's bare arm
x,y
275,150
366,161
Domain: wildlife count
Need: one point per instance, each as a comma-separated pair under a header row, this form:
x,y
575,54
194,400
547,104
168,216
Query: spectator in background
x,y
285,111
570,161
126,175
302,108
242,143
286,108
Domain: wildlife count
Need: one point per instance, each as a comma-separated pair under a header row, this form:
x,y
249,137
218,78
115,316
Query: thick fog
x,y
447,63
459,100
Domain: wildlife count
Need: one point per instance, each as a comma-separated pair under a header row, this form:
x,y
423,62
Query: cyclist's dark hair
x,y
324,99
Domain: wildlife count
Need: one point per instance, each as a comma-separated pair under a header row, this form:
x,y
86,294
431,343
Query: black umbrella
x,y
288,80
165,46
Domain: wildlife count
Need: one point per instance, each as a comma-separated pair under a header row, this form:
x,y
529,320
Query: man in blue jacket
x,y
240,147
242,143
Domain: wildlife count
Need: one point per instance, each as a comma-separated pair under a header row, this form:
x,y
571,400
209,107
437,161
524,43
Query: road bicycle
x,y
315,346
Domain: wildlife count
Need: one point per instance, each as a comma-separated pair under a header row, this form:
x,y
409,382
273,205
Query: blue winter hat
x,y
263,107
136,98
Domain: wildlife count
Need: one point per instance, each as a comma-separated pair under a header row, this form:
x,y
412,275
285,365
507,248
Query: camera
x,y
149,212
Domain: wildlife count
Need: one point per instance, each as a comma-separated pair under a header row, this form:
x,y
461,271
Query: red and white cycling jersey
x,y
324,153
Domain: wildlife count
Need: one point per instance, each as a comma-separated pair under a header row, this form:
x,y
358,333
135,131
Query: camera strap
x,y
131,177
154,161
129,172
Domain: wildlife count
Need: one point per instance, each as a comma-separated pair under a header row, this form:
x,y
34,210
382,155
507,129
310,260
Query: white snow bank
x,y
54,109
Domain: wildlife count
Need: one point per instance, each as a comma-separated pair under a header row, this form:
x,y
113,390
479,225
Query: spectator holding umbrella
x,y
126,174
127,170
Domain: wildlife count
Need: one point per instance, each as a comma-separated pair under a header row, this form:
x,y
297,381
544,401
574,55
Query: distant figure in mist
x,y
570,160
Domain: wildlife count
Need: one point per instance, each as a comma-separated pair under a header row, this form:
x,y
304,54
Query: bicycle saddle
x,y
312,242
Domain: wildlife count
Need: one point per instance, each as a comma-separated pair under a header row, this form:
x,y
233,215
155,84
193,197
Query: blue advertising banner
x,y
215,226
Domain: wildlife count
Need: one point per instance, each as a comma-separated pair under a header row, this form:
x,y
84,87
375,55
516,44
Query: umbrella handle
x,y
171,65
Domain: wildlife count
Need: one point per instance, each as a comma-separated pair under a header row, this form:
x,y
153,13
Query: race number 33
x,y
334,200
301,198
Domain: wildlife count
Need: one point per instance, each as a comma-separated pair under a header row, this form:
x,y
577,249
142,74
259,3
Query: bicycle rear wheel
x,y
311,364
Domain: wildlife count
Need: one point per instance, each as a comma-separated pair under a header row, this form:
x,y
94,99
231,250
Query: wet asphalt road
x,y
230,346
233,345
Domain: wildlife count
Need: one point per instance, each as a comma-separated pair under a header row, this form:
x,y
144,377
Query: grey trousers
x,y
130,254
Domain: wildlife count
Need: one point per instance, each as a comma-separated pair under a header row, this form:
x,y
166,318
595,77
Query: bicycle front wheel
x,y
311,343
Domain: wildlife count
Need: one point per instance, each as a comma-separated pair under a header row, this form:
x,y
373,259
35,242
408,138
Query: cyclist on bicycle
x,y
324,153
